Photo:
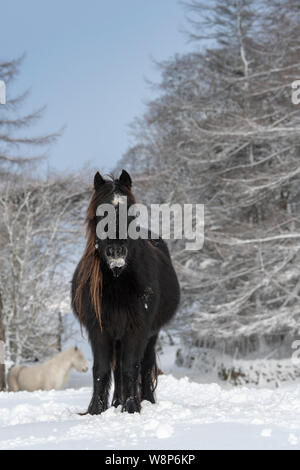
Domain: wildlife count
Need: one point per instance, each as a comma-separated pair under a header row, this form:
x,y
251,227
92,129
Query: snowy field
x,y
188,415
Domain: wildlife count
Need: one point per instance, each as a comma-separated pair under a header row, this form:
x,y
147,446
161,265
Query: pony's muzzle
x,y
116,265
116,258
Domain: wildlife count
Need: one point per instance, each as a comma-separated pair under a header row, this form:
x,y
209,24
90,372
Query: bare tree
x,y
16,147
39,229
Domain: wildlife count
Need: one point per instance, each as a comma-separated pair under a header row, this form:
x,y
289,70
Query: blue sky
x,y
87,61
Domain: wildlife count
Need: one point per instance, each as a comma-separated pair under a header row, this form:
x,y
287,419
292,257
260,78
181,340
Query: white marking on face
x,y
116,262
119,199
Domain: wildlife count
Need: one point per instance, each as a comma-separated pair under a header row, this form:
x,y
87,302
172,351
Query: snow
x,y
188,415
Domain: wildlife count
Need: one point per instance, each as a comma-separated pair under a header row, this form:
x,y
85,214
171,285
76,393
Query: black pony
x,y
123,292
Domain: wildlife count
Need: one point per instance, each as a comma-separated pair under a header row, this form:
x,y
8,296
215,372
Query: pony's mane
x,y
89,268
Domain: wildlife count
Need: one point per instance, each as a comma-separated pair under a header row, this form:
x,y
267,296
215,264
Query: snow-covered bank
x,y
188,415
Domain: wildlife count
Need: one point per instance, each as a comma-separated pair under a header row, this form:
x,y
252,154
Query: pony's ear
x,y
98,181
125,179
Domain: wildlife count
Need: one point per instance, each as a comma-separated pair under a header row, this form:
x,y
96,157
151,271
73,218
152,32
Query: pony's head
x,y
111,235
78,360
110,253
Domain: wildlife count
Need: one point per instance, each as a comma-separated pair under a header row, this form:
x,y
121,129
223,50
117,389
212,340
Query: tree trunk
x,y
2,338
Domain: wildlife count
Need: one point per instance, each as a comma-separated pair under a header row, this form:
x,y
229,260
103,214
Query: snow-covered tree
x,y
224,132
18,150
39,229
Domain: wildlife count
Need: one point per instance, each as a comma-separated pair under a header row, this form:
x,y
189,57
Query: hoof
x,y
151,400
96,407
116,402
132,405
148,396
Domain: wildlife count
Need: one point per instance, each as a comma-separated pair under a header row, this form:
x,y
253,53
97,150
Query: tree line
x,y
222,131
41,223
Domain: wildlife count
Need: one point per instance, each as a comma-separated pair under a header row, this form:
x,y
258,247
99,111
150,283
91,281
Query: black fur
x,y
135,303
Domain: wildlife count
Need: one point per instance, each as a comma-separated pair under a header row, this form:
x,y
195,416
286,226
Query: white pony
x,y
53,374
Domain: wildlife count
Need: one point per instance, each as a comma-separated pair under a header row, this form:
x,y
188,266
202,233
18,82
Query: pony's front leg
x,y
117,397
132,355
102,351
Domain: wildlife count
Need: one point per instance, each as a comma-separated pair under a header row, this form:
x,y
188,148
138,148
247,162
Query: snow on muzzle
x,y
116,258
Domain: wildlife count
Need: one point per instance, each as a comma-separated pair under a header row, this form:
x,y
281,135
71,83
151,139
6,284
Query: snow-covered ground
x,y
188,415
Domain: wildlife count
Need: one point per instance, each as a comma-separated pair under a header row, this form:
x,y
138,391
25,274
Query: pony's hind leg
x,y
149,371
117,397
102,351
